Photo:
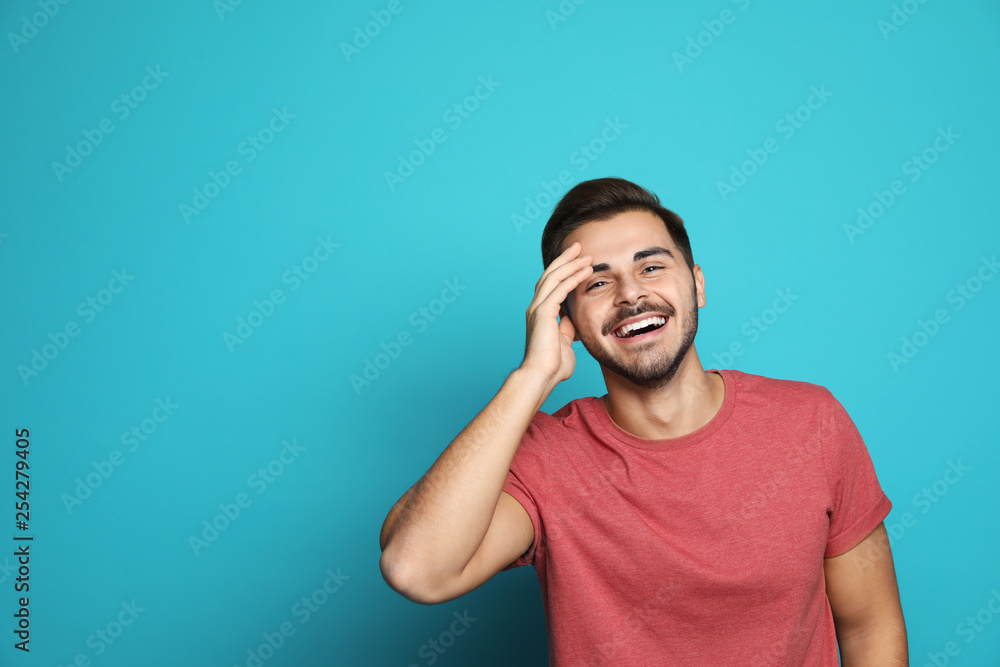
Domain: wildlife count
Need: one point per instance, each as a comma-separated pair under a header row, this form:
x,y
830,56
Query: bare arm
x,y
864,598
455,528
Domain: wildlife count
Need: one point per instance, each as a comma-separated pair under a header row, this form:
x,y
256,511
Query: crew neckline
x,y
692,438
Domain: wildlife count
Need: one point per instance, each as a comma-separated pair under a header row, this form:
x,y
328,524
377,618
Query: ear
x,y
699,283
564,312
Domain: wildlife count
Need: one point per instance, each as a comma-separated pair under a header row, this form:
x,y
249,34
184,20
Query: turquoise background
x,y
683,128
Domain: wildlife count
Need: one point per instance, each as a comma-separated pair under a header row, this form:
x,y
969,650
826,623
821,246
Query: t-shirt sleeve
x,y
858,502
525,482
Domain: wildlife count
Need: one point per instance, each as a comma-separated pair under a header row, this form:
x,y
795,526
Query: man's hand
x,y
548,348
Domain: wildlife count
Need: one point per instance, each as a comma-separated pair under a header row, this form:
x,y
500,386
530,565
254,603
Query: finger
x,y
559,292
548,283
554,280
570,250
567,255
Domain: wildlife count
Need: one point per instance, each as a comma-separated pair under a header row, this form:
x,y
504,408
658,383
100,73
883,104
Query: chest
x,y
740,522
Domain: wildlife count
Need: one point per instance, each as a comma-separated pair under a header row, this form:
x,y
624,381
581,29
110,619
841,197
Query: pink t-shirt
x,y
705,549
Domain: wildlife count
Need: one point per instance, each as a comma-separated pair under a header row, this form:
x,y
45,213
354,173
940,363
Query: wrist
x,y
533,382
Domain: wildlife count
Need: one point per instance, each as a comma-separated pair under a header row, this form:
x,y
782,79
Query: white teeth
x,y
621,333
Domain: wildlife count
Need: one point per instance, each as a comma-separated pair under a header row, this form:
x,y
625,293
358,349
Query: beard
x,y
654,367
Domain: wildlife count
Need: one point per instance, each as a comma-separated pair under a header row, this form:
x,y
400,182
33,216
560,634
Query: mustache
x,y
626,313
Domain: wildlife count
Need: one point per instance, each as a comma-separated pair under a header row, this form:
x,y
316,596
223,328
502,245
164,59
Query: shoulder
x,y
564,424
569,417
548,435
763,391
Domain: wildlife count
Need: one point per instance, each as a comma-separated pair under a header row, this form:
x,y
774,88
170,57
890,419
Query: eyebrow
x,y
639,256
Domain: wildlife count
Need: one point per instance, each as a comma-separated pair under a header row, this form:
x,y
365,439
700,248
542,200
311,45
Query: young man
x,y
687,517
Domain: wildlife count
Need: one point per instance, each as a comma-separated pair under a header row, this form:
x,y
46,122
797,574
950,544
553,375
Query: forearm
x,y
883,644
436,527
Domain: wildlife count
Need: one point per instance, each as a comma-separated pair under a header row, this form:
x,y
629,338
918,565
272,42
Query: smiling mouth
x,y
640,328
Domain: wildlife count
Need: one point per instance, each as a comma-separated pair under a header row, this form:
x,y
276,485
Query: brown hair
x,y
602,199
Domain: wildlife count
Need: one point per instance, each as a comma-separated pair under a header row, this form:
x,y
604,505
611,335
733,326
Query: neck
x,y
689,401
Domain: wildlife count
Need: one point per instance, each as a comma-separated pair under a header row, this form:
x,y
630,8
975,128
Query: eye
x,y
597,284
651,267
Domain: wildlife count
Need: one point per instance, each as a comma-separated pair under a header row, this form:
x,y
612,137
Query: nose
x,y
630,291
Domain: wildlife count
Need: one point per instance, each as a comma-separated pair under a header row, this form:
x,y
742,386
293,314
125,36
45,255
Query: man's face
x,y
638,274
